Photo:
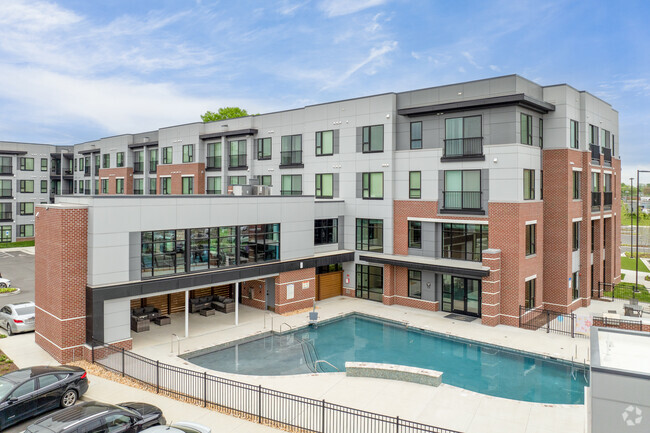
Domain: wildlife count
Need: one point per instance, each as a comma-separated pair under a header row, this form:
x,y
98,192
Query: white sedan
x,y
4,283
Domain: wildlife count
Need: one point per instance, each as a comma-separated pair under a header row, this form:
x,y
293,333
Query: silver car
x,y
178,427
15,318
4,283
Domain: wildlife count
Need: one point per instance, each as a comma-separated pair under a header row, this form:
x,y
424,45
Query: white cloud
x,y
35,16
375,56
495,68
335,8
470,59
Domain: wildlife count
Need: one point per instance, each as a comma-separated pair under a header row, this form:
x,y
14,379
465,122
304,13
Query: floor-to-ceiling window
x,y
461,295
370,282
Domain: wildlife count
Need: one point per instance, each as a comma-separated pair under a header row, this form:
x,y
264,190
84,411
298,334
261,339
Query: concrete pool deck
x,y
445,406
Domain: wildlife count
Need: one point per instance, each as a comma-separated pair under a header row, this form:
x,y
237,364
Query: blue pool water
x,y
473,366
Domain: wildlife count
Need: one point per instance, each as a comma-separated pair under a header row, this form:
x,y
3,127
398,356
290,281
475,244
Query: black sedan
x,y
31,391
96,417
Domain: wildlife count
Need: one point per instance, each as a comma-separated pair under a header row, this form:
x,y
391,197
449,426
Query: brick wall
x,y
304,290
258,290
491,289
112,174
177,171
401,292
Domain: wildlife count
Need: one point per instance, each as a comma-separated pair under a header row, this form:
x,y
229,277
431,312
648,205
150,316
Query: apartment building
x,y
483,199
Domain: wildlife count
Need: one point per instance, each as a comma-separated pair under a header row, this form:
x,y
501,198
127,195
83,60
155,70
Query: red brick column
x,y
491,288
60,279
304,290
256,288
388,297
177,171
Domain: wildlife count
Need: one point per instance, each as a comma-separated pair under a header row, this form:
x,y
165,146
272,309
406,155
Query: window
x,y
593,238
416,135
326,231
43,164
153,160
291,151
237,154
81,187
415,284
463,136
96,186
372,185
188,185
604,138
119,162
414,184
152,186
188,153
369,282
119,186
26,164
325,185
43,187
595,181
214,185
214,156
24,389
26,230
593,135
5,233
573,134
291,184
464,241
163,252
5,188
259,243
541,133
138,186
541,184
5,211
97,164
87,166
531,230
167,155
370,235
264,179
87,187
106,160
264,148
608,183
529,184
138,161
81,164
462,189
117,422
237,180
415,234
47,380
576,185
372,138
166,185
324,143
575,285
6,165
576,235
530,293
526,126
27,208
26,186
105,186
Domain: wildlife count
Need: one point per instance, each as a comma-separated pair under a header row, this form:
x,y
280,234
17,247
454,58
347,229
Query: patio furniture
x,y
612,311
198,304
223,304
207,312
162,320
139,324
148,312
634,301
633,310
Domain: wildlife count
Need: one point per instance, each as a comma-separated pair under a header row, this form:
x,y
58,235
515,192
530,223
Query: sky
x,y
77,70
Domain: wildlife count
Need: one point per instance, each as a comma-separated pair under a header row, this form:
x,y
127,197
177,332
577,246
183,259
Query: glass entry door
x,y
461,295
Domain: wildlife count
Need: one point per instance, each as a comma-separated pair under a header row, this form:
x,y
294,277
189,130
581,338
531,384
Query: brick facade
x,y
253,294
112,174
177,172
304,290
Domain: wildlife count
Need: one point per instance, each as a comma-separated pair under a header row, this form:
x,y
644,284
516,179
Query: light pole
x,y
631,210
637,229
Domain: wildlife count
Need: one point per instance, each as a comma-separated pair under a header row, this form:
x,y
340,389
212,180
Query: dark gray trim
x,y
13,152
461,211
249,131
426,267
95,296
292,166
88,152
147,144
242,168
519,99
462,158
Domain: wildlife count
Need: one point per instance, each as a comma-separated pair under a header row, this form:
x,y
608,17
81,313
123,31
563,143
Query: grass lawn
x,y
17,244
624,291
628,263
6,364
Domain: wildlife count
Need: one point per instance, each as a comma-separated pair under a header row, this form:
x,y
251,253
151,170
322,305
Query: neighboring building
x,y
481,198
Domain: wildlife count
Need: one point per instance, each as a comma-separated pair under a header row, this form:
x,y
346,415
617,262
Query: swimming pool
x,y
477,367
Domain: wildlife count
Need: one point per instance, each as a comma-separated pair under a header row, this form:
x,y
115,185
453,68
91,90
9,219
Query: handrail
x,y
269,314
322,360
179,344
285,323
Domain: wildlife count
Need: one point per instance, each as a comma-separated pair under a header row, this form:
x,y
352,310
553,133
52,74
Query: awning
x,y
442,266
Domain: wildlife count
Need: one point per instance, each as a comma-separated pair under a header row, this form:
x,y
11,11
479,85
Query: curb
x,y
11,293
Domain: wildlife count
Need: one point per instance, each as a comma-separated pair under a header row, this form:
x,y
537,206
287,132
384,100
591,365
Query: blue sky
x,y
77,70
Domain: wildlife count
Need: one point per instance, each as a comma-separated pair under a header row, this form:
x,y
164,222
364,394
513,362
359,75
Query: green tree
x,y
224,113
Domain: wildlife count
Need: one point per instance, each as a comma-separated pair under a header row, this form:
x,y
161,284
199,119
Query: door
x,y
329,285
21,403
270,294
461,295
49,393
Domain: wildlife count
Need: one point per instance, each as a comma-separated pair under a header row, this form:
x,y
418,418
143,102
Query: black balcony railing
x,y
138,191
607,200
213,162
138,166
458,147
595,152
291,157
87,170
6,216
237,161
153,166
67,172
607,156
213,191
55,171
595,200
6,169
462,200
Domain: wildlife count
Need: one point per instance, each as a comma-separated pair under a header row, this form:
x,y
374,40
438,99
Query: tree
x,y
224,113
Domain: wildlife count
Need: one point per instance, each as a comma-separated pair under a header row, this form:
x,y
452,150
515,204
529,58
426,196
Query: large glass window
x,y
120,159
163,252
119,186
5,188
531,230
96,160
574,134
526,129
105,186
264,148
415,234
324,143
138,186
27,208
576,185
575,285
291,151
26,164
153,160
462,189
372,138
370,235
26,186
325,185
530,293
372,185
5,233
138,161
165,185
26,230
370,282
236,180
416,135
464,241
463,136
106,160
152,186
415,183
6,166
264,179
529,184
43,164
188,185
188,153
326,231
44,187
291,184
576,235
259,243
593,134
5,211
167,155
461,295
415,284
214,185
213,160
237,153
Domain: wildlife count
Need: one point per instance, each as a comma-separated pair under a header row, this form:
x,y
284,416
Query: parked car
x,y
94,417
19,317
4,283
179,427
31,391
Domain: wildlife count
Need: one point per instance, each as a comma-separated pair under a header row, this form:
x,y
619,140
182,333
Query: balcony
x,y
607,156
213,163
213,191
138,167
55,171
237,162
291,158
607,200
595,201
87,170
463,148
6,170
153,166
6,216
462,201
595,153
138,191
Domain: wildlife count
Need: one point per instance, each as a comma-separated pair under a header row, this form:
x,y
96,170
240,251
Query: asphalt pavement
x,y
17,264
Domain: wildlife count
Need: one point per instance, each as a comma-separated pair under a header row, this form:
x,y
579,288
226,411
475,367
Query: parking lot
x,y
17,264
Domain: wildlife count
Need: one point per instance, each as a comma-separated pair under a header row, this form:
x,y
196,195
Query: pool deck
x,y
445,406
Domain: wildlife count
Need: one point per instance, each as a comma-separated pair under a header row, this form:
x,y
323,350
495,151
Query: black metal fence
x,y
253,402
549,321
